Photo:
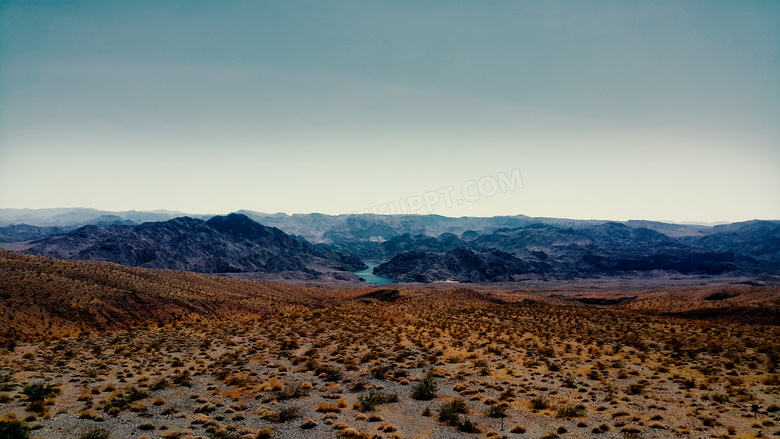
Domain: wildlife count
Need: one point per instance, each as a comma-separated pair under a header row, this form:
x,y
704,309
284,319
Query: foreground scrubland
x,y
260,360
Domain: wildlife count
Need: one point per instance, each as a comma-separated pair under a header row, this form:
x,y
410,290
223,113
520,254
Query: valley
x,y
408,248
223,327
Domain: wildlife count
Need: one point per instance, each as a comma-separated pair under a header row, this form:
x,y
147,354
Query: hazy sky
x,y
611,110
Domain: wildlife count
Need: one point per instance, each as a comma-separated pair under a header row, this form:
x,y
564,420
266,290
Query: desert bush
x,y
238,380
709,422
448,415
136,395
14,429
329,373
160,384
517,429
400,373
38,391
359,385
121,402
205,408
374,398
36,406
570,411
369,357
468,426
449,411
635,388
309,424
351,433
425,390
289,413
182,378
720,397
539,403
387,428
496,411
379,372
328,408
292,391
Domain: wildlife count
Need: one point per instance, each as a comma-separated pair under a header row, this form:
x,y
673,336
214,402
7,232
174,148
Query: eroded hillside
x,y
50,297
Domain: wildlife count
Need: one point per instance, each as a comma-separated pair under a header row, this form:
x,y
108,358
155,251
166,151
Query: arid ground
x,y
100,350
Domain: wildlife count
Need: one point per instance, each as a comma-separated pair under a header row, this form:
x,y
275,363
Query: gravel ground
x,y
237,373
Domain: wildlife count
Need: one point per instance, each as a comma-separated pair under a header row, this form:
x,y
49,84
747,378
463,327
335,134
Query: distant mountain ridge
x,y
232,244
331,229
540,251
80,216
363,234
416,248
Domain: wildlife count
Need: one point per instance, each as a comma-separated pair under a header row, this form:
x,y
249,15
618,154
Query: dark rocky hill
x,y
609,249
461,265
224,244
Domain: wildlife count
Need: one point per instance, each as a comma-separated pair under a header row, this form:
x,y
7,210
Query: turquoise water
x,y
371,277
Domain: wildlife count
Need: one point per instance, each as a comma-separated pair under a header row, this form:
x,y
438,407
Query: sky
x,y
660,110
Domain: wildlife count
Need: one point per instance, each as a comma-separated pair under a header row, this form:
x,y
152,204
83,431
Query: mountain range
x,y
361,233
232,244
540,251
414,248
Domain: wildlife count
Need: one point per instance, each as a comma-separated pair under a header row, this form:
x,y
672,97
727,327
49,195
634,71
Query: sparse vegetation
x,y
14,429
367,403
289,413
539,403
570,411
449,412
38,391
497,410
468,426
542,366
292,391
425,390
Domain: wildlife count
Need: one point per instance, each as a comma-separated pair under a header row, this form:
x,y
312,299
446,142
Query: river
x,y
371,278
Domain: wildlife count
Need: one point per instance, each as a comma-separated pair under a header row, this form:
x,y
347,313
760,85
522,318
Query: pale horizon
x,y
206,214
